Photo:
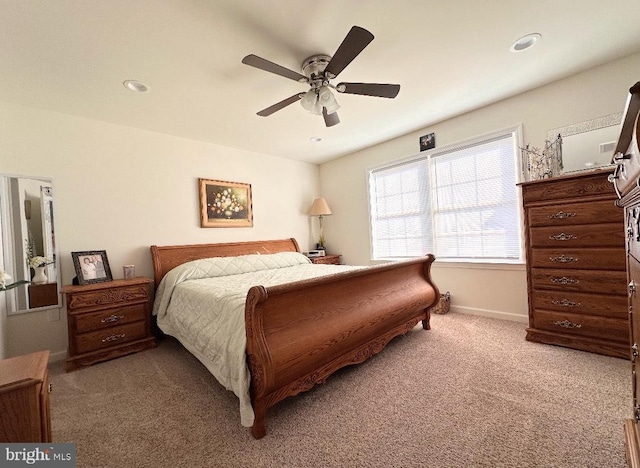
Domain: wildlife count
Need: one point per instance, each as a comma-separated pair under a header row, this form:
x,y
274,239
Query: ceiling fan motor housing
x,y
313,68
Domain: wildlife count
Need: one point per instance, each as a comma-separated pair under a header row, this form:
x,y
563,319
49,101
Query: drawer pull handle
x,y
564,280
563,259
563,237
618,158
561,215
113,338
566,303
567,324
112,318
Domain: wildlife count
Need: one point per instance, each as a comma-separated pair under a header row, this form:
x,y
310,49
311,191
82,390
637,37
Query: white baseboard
x,y
491,313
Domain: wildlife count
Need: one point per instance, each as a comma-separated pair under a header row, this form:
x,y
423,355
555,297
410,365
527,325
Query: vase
x,y
40,276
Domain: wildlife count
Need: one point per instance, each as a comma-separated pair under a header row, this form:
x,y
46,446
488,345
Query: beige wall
x,y
121,190
494,291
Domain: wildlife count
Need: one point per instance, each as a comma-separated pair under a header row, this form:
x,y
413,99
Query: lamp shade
x,y
310,102
327,100
319,208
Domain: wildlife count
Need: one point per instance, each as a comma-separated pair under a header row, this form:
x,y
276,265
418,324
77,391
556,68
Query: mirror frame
x,y
584,127
11,306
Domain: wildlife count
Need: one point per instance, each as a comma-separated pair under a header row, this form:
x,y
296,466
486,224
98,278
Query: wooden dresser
x,y
25,412
575,246
108,320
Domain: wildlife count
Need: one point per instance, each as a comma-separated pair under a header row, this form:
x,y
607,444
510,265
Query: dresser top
x,y
571,176
106,285
26,368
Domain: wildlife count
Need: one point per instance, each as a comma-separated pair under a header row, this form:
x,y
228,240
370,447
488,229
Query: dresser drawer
x,y
581,259
101,339
90,321
100,297
592,281
604,211
595,235
581,303
583,325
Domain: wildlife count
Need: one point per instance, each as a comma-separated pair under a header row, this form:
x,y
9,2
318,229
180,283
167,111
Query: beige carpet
x,y
469,392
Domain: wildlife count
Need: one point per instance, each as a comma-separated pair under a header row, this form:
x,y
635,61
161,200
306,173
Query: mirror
x,y
588,145
27,230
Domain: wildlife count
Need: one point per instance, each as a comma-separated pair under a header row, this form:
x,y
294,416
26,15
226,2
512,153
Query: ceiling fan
x,y
318,71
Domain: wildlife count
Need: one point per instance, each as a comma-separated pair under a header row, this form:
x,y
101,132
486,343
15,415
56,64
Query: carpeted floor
x,y
471,392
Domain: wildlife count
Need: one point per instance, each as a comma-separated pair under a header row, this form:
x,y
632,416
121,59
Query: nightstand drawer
x,y
106,296
110,337
326,260
92,321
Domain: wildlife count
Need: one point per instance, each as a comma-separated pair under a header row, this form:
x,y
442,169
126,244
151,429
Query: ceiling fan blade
x,y
356,40
280,105
330,119
266,65
369,89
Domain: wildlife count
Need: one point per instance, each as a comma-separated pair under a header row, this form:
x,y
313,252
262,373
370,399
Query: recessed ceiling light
x,y
315,139
136,86
525,42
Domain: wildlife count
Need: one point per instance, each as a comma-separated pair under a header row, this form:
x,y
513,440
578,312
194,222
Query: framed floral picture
x,y
91,266
225,204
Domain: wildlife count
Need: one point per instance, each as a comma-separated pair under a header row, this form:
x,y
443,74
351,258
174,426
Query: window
x,y
460,203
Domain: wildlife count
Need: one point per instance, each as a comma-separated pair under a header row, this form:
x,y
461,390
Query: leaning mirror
x,y
27,235
588,145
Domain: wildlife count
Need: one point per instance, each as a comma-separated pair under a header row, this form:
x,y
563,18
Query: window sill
x,y
515,266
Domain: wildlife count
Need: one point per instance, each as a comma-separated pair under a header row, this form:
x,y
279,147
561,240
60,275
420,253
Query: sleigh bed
x,y
292,335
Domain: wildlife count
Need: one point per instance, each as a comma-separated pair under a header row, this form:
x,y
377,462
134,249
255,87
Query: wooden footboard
x,y
300,333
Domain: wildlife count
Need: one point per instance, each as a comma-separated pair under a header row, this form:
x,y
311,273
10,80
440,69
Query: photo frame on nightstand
x,y
92,266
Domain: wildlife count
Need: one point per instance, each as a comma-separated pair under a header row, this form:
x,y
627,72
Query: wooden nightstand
x,y
327,260
108,320
24,399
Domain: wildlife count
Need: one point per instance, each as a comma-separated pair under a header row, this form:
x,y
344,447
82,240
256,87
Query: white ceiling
x,y
450,57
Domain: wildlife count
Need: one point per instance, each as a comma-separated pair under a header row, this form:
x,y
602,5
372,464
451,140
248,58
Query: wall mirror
x,y
27,230
588,145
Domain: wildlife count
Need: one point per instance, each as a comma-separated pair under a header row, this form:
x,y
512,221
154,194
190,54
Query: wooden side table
x,y
108,320
326,260
24,399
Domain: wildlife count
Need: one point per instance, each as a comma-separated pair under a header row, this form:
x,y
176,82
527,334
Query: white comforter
x,y
201,303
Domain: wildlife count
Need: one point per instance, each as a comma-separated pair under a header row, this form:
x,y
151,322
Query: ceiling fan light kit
x,y
318,71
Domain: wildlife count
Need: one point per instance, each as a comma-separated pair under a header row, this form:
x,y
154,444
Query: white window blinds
x,y
460,203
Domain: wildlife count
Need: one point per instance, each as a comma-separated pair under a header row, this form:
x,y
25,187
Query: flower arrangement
x,y
38,261
227,205
4,276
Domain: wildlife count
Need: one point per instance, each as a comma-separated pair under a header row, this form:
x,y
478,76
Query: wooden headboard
x,y
165,258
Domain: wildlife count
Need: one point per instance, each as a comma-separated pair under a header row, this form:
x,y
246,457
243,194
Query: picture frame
x,y
225,204
92,266
427,141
